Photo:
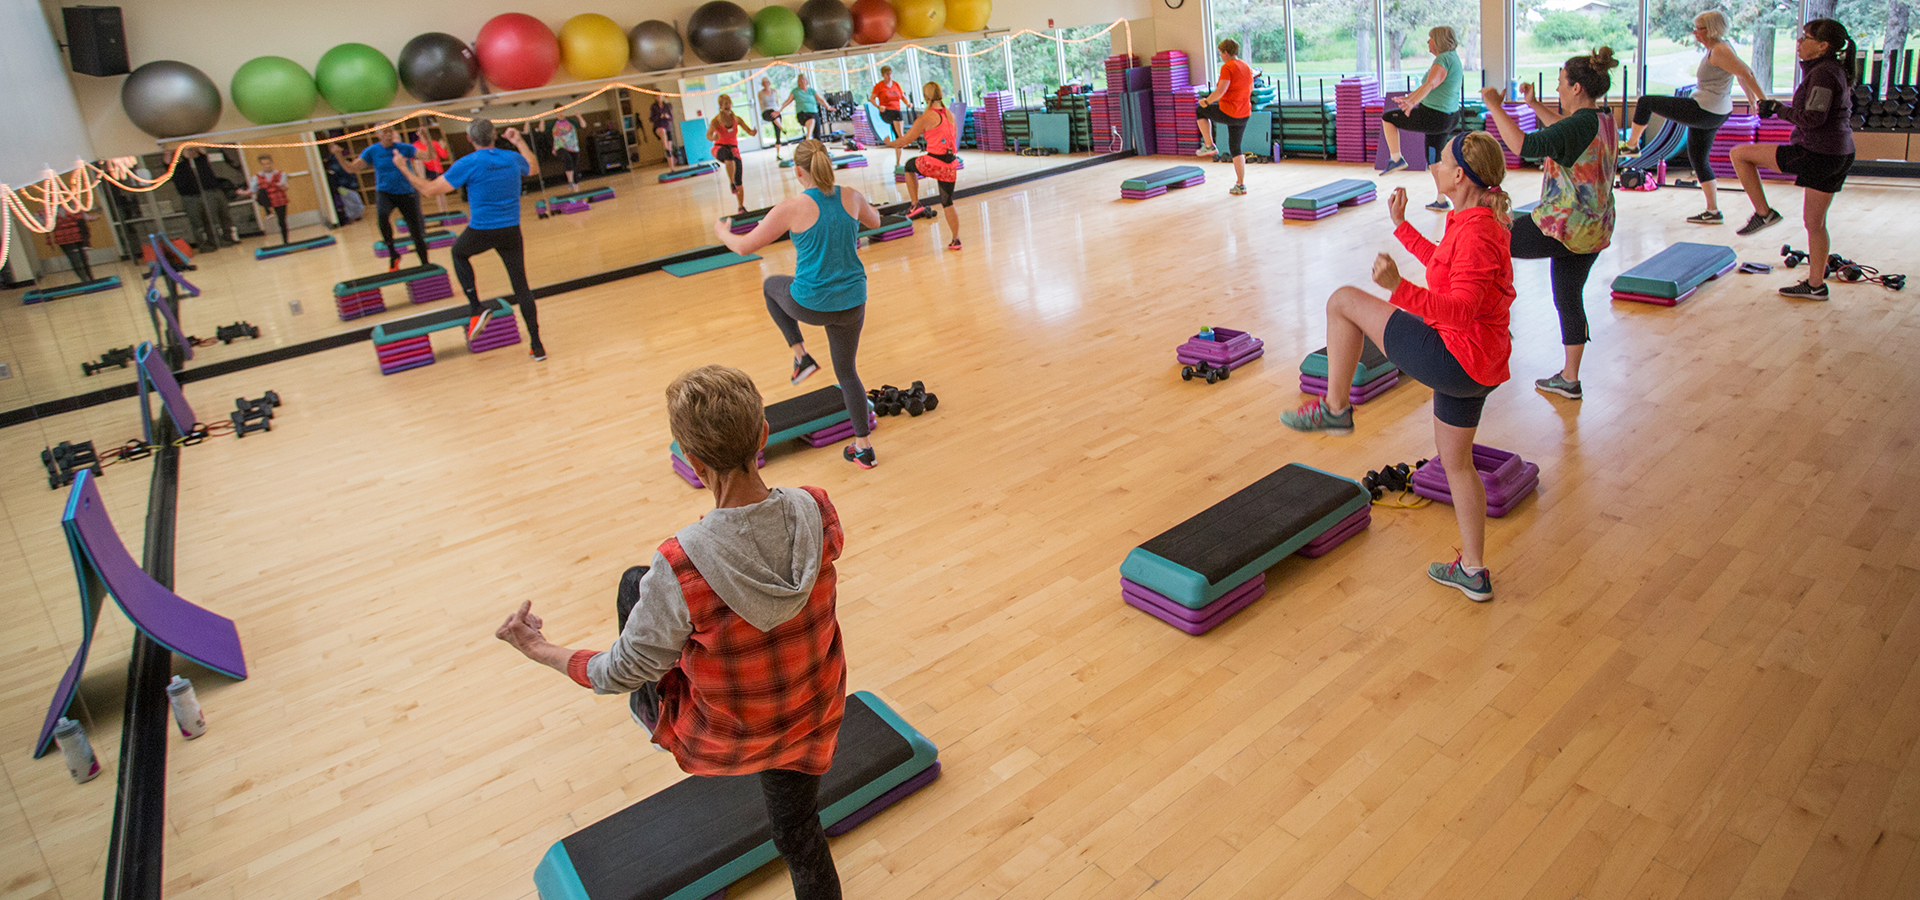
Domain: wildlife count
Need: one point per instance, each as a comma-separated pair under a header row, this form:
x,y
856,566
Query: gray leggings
x,y
843,340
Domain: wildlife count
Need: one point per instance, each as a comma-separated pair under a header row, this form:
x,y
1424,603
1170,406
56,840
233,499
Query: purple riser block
x,y
402,367
567,206
1195,181
899,792
1367,197
1495,508
1649,298
387,252
744,227
1187,359
685,471
369,294
598,196
1193,621
836,432
1357,394
1238,345
388,360
1147,194
500,332
429,295
1499,493
893,235
1338,534
1496,467
1308,215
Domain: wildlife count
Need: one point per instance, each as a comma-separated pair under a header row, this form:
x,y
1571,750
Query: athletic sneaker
x,y
538,352
955,245
914,211
1314,416
1441,205
1805,291
1558,385
1758,221
1478,587
863,458
1207,151
1710,217
393,263
804,367
477,324
1238,190
1398,162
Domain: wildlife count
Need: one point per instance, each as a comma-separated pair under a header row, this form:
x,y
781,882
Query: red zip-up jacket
x,y
1470,274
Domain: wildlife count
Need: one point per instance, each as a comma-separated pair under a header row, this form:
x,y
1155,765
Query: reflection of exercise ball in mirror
x,y
827,23
873,21
592,46
920,18
655,46
168,99
968,15
777,31
272,89
517,51
720,32
356,78
437,66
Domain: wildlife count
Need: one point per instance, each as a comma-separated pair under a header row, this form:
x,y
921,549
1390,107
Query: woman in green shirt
x,y
1433,109
806,104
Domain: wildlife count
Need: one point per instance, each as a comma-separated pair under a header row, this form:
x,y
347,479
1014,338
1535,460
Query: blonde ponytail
x,y
812,156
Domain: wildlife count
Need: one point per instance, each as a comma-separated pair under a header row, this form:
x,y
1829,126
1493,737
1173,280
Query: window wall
x,y
986,72
1762,31
1086,60
937,68
1036,67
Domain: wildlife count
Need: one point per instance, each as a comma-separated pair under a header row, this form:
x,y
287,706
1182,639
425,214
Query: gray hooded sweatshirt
x,y
761,560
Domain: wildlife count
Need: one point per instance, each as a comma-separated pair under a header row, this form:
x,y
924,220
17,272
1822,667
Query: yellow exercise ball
x,y
592,46
967,15
920,18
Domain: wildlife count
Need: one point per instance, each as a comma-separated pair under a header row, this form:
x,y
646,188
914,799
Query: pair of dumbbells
x,y
1394,478
1209,371
914,400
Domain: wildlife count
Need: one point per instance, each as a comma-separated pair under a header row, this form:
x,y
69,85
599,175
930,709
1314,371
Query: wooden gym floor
x,y
1698,679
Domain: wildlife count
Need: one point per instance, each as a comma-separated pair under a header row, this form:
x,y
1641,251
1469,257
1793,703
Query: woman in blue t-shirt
x,y
1432,109
492,179
829,284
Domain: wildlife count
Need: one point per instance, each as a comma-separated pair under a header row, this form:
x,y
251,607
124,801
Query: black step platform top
x,y
1371,356
386,278
805,408
1232,534
672,839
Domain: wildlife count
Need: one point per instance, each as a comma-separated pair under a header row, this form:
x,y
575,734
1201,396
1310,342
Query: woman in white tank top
x,y
1703,113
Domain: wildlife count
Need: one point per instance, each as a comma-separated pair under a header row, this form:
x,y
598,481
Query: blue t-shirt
x,y
386,175
492,179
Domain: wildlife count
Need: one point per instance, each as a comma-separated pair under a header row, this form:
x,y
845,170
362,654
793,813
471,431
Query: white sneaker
x,y
1207,151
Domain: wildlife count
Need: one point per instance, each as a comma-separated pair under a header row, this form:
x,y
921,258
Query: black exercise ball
x,y
720,32
437,66
828,24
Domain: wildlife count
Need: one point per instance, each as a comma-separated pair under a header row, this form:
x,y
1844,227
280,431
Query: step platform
x,y
745,222
1372,365
812,417
446,219
1327,199
278,250
891,228
706,168
693,839
363,297
560,207
1147,186
1358,393
72,290
404,345
1227,347
1673,274
1202,571
1509,479
434,239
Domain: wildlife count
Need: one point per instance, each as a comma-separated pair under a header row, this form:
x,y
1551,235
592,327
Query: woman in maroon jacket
x,y
1451,336
1819,153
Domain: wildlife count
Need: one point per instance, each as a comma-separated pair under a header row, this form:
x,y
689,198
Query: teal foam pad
x,y
1329,194
1162,178
325,240
1675,270
427,323
708,263
72,290
1373,363
690,841
1197,561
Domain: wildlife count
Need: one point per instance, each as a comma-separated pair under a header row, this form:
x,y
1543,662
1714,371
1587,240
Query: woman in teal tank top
x,y
828,286
1432,109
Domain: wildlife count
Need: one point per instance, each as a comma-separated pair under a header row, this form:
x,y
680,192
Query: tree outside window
x,y
1087,59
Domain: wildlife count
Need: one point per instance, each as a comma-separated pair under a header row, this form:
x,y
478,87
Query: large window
x,y
1761,30
937,68
1087,59
1549,32
1876,25
1036,68
986,72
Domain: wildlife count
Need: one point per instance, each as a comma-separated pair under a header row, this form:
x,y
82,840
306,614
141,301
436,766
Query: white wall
x,y
37,103
217,36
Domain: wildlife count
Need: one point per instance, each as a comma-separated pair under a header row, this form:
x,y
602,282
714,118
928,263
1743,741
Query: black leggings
x,y
809,124
1436,125
1418,350
409,206
512,250
77,257
843,340
793,798
1569,276
1236,126
280,213
1701,127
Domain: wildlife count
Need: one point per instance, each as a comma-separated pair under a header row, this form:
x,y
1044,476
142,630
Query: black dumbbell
x,y
1793,257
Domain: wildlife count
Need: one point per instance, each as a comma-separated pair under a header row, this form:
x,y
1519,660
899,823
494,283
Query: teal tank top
x,y
1446,97
828,275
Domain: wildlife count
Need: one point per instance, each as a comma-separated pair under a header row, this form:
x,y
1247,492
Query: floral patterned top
x,y
1578,157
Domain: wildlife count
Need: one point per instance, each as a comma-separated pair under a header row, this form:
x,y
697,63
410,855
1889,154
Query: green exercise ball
x,y
777,31
272,89
356,78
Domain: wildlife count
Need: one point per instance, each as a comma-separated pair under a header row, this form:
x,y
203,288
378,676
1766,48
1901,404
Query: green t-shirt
x,y
1446,97
804,101
1565,140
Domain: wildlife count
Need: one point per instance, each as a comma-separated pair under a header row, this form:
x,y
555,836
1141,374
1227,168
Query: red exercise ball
x,y
873,21
517,51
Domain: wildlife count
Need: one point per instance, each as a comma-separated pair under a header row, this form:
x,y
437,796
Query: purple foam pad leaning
x,y
1338,534
853,820
155,376
1359,393
1193,621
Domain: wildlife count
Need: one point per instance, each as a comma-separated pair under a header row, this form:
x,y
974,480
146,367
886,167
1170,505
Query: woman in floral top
x,y
1573,221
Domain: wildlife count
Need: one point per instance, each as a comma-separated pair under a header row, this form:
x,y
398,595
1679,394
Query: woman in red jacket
x,y
1452,336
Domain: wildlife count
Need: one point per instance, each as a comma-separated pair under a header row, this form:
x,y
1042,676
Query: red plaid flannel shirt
x,y
742,700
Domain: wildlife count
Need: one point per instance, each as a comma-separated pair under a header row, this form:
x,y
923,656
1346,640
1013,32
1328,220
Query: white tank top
x,y
1713,88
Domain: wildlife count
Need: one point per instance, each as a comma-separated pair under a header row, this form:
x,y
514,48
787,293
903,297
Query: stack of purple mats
x,y
987,129
1355,133
1229,348
1529,122
1735,131
1508,478
1774,131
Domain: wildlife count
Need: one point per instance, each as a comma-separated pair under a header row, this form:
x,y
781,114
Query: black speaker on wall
x,y
96,42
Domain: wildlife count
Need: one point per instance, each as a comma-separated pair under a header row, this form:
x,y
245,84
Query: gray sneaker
x,y
1709,217
1558,385
1315,416
1758,221
1478,587
1804,291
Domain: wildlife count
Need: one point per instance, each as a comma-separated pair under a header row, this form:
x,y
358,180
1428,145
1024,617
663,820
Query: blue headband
x,y
1460,159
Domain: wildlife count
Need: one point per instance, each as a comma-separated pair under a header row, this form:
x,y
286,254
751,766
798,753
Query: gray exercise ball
x,y
167,98
720,32
655,46
828,23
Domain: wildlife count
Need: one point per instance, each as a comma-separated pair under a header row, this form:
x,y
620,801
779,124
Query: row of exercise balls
x,y
352,77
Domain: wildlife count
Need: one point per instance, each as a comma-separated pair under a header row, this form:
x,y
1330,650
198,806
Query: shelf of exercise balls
x,y
405,344
363,297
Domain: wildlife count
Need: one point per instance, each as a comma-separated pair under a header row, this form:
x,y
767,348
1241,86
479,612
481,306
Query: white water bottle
x,y
186,708
72,738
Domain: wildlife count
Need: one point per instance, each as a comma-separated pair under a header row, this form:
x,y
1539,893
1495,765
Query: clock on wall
x,y
1175,4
